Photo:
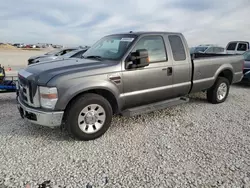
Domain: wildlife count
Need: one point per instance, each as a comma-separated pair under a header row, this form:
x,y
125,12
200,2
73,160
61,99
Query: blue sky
x,y
82,22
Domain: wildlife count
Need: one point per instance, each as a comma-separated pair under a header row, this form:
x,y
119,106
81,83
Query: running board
x,y
154,106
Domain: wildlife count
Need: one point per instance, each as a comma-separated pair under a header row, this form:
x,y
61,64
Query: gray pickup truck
x,y
127,74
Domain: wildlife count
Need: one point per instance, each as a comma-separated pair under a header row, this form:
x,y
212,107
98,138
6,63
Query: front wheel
x,y
219,92
88,117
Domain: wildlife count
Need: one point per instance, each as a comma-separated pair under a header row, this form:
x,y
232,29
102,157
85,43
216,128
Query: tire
x,y
83,117
212,94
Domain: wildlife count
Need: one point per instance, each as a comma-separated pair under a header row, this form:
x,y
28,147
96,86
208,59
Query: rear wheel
x,y
219,92
89,117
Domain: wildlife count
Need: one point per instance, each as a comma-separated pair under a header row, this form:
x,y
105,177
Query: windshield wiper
x,y
93,57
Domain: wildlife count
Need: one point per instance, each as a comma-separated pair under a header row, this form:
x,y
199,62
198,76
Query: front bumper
x,y
49,119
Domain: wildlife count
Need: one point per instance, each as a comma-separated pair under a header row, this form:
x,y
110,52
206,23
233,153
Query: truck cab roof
x,y
138,33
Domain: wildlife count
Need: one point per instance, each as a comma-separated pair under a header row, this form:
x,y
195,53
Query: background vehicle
x,y
73,54
128,74
19,45
208,49
7,84
237,47
50,55
246,71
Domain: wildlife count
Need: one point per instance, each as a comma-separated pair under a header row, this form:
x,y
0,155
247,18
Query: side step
x,y
154,106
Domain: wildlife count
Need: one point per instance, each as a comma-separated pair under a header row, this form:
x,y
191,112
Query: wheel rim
x,y
222,91
91,118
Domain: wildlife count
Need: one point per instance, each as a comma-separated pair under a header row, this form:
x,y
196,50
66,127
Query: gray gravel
x,y
192,145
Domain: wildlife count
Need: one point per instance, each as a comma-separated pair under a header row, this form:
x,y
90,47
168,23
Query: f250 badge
x,y
116,78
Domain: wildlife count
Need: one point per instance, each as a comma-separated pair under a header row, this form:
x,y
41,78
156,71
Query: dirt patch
x,y
7,47
32,49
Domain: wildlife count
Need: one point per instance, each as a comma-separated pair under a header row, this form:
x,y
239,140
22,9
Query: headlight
x,y
48,97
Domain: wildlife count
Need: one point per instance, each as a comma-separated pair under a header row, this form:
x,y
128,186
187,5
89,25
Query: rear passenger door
x,y
151,83
181,65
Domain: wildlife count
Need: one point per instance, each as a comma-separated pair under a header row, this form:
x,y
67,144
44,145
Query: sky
x,y
83,22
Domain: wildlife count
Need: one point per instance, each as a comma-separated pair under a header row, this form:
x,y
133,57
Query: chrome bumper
x,y
49,119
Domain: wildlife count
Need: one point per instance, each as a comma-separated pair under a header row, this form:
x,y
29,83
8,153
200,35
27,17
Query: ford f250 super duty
x,y
128,74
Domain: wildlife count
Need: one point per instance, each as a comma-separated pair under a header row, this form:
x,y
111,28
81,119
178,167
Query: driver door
x,y
151,83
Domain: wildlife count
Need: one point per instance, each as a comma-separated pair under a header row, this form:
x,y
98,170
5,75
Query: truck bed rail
x,y
200,55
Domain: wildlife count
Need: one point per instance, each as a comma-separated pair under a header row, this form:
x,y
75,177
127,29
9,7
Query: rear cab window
x,y
177,47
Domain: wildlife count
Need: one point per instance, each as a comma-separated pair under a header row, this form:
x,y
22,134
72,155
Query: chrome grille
x,y
25,92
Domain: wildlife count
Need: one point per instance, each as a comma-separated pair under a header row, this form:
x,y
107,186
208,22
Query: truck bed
x,y
207,67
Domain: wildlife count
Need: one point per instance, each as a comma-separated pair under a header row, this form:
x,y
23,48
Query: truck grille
x,y
28,92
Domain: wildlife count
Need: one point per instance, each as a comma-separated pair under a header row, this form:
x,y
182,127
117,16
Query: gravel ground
x,y
192,145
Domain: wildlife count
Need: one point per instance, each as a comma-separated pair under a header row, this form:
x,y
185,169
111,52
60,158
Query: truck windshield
x,y
110,47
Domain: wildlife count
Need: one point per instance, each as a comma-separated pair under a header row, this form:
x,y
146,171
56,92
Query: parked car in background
x,y
208,49
129,74
237,47
246,70
19,45
74,54
192,50
50,55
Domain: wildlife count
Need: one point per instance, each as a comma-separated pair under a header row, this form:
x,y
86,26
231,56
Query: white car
x,y
208,49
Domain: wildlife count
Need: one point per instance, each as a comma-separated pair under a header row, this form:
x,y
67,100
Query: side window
x,y
177,47
220,49
210,50
232,46
242,47
155,46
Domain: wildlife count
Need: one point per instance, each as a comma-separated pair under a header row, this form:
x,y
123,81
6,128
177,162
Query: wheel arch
x,y
226,71
107,94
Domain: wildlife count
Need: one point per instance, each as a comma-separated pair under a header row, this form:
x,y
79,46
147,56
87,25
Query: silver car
x,y
50,55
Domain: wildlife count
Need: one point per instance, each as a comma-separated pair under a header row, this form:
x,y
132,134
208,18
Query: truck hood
x,y
43,72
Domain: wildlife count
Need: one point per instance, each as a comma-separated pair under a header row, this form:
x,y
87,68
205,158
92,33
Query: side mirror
x,y
138,59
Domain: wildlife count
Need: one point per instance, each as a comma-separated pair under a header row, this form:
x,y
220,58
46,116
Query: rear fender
x,y
222,68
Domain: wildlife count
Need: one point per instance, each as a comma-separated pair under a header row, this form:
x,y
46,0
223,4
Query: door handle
x,y
169,70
